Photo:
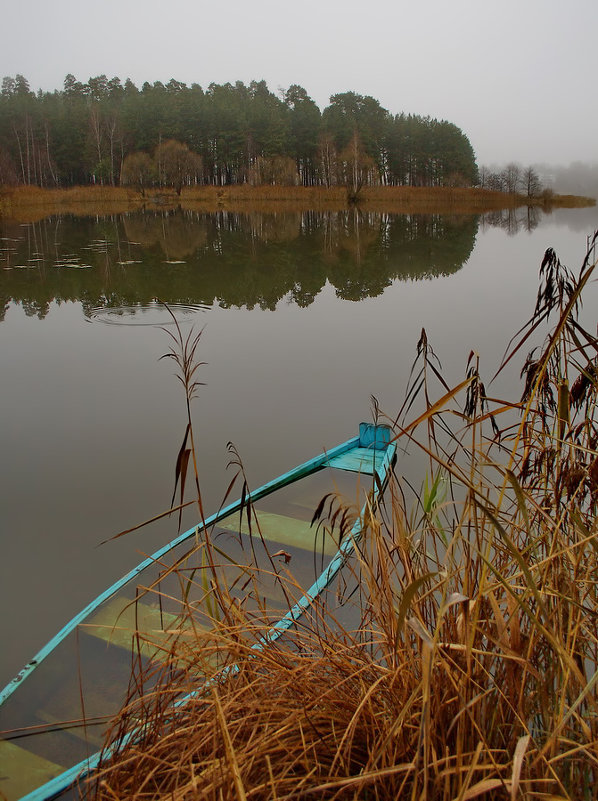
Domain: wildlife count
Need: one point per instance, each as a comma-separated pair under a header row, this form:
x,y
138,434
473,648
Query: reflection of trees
x,y
177,234
524,218
373,250
4,306
351,231
229,258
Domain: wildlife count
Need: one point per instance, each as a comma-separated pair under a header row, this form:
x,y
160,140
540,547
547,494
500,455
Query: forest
x,y
113,133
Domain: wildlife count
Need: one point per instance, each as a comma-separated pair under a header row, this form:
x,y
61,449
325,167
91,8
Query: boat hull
x,y
264,549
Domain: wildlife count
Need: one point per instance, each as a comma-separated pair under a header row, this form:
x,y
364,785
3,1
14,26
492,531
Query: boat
x,y
54,713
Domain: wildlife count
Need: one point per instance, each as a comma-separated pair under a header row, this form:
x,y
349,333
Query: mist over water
x,y
577,178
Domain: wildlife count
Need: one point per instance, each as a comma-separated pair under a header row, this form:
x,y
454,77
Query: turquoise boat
x,y
54,713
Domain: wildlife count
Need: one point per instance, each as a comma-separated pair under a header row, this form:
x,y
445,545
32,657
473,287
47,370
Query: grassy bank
x,y
473,672
29,204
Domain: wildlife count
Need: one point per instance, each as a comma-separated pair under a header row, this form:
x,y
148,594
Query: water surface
x,y
304,318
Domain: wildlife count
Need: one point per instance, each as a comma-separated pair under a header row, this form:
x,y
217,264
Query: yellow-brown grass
x,y
29,204
474,670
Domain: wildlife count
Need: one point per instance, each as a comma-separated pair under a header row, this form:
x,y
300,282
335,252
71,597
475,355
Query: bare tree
x,y
357,166
327,157
511,176
531,182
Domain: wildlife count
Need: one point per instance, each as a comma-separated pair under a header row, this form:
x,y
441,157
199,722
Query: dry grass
x,y
460,200
473,672
29,204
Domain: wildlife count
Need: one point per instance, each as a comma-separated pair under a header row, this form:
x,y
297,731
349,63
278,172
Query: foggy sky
x,y
518,77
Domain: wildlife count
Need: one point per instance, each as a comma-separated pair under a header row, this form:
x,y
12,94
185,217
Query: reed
x,y
472,672
29,204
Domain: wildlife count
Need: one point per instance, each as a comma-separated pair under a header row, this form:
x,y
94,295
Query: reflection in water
x,y
523,218
150,314
189,259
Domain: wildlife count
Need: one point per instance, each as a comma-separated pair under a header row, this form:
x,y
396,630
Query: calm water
x,y
304,317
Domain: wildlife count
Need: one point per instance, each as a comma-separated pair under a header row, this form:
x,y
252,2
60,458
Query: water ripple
x,y
145,314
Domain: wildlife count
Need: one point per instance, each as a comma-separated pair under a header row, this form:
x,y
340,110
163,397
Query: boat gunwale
x,y
304,469
380,474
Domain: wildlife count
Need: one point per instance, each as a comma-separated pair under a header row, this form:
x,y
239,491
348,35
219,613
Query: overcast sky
x,y
518,76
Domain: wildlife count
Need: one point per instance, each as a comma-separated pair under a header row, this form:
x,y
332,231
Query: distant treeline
x,y
107,132
577,178
513,179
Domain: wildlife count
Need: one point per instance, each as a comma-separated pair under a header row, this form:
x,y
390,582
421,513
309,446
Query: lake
x,y
305,316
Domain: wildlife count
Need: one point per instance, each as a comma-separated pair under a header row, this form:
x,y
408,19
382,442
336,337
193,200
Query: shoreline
x,y
30,204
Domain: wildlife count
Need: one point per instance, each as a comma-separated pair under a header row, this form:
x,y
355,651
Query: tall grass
x,y
473,670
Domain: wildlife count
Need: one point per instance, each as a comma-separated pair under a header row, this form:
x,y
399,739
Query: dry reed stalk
x,y
474,670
